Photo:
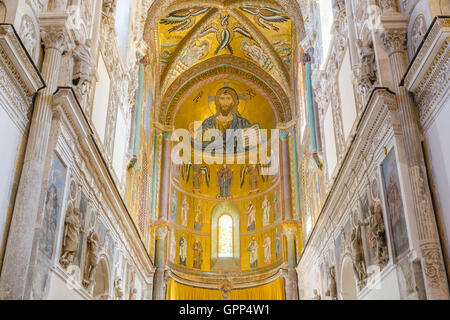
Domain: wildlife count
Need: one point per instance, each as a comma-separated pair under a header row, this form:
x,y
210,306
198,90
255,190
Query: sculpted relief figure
x,y
316,295
92,258
71,236
118,290
356,248
332,286
82,69
377,234
367,76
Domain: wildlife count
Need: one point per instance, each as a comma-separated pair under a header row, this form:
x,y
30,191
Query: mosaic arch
x,y
215,69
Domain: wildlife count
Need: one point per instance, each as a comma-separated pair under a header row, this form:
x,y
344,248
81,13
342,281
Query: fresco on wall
x,y
52,210
52,207
391,184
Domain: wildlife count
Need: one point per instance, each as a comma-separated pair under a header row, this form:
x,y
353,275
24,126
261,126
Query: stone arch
x,y
101,290
218,211
348,282
239,68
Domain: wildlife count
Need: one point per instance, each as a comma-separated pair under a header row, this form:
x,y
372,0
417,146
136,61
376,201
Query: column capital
x,y
388,5
393,32
161,230
394,41
290,228
55,31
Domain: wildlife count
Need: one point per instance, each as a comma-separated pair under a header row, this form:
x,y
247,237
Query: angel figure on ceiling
x,y
266,17
225,33
183,19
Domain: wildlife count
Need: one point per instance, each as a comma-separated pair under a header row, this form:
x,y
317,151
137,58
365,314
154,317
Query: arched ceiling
x,y
183,34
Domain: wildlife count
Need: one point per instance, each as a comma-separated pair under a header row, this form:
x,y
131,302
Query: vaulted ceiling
x,y
186,33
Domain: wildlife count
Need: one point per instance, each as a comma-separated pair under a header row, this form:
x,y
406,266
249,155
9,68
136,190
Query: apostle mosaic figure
x,y
251,217
173,245
276,207
253,253
198,172
278,244
174,206
267,245
198,221
184,212
266,211
183,250
253,175
198,254
224,179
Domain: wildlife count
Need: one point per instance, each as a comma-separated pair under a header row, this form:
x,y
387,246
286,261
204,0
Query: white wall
x,y
120,144
330,141
101,99
437,139
347,95
122,22
9,145
326,22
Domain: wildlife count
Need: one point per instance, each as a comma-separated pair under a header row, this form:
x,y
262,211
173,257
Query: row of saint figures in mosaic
x,y
190,213
224,181
193,251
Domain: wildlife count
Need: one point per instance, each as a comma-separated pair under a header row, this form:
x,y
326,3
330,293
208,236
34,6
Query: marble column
x,y
429,251
17,260
159,278
291,278
286,174
165,176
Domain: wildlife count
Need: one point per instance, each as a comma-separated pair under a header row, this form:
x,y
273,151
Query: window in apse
x,y
225,236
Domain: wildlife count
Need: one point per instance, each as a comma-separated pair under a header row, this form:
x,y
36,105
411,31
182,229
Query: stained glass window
x,y
225,236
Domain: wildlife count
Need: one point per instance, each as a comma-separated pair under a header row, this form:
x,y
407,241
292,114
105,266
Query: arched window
x,y
225,230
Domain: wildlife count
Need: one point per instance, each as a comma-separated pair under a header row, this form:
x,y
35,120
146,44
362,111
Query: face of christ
x,y
226,104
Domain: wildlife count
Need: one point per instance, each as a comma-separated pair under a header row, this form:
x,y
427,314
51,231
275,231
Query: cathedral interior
x,y
120,180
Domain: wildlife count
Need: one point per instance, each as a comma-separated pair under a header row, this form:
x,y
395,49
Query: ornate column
x,y
160,263
165,176
18,255
291,278
286,174
429,251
